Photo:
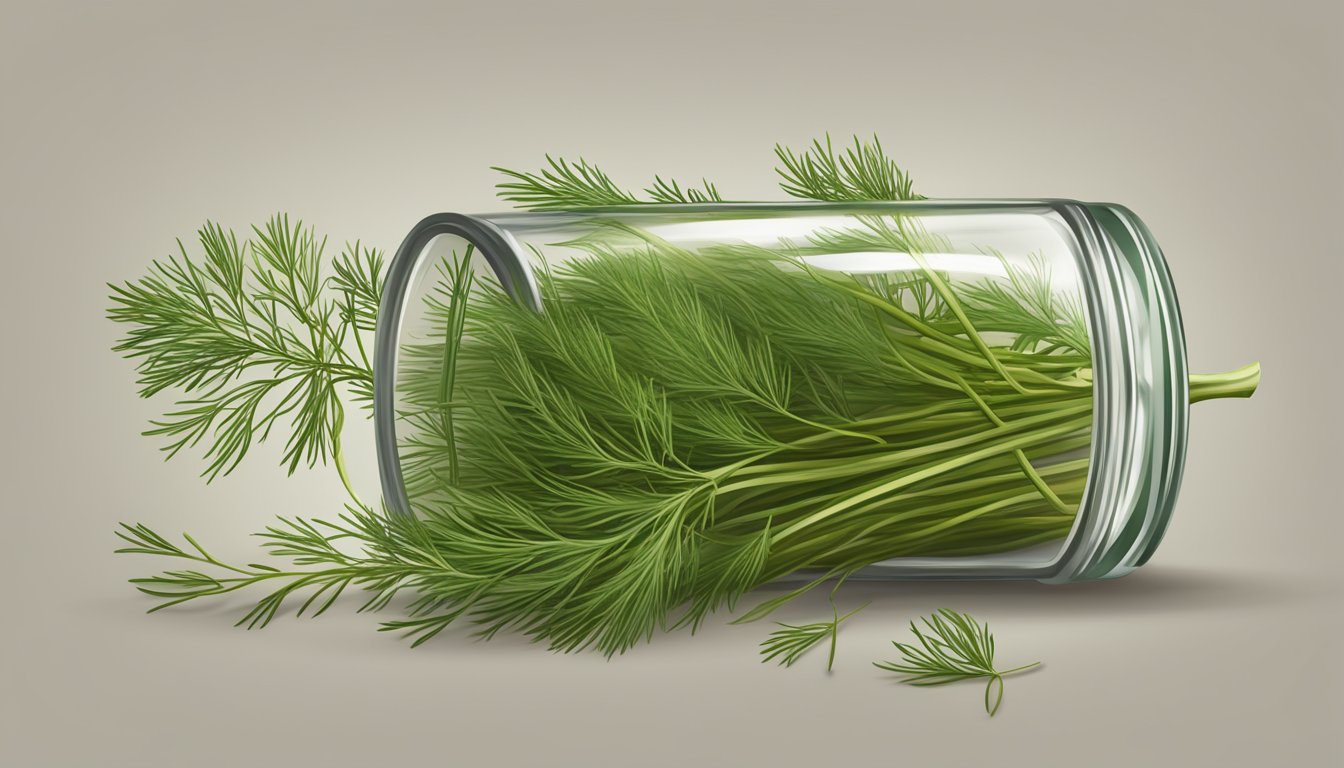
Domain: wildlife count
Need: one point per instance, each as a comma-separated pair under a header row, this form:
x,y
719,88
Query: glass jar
x,y
986,389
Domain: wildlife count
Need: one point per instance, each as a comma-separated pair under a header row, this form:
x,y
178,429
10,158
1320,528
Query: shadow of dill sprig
x,y
791,641
952,647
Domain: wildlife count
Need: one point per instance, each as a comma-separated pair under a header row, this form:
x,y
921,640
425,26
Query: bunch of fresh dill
x,y
674,430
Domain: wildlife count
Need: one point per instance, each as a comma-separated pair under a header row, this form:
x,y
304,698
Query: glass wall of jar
x,y
933,389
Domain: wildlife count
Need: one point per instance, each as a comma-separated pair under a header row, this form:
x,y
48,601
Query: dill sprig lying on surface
x,y
952,647
676,429
791,641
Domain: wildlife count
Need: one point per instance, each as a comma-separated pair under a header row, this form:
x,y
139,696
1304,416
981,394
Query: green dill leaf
x,y
566,185
671,192
249,334
860,172
562,184
952,647
791,641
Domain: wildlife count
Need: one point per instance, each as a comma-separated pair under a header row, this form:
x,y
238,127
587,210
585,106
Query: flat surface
x,y
126,125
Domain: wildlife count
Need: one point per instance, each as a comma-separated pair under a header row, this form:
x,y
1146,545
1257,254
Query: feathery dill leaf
x,y
566,185
671,192
394,555
791,641
248,335
1042,319
562,184
952,647
862,172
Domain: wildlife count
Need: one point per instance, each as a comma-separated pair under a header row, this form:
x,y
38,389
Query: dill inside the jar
x,y
676,427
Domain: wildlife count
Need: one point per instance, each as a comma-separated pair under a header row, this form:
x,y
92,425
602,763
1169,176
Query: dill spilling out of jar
x,y
676,427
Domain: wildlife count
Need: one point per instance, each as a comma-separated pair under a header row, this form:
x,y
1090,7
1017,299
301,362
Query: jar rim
x,y
1141,400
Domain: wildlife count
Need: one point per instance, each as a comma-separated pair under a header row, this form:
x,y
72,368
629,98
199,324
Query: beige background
x,y
125,125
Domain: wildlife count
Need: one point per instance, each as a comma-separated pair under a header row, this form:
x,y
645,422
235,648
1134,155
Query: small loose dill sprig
x,y
952,647
791,641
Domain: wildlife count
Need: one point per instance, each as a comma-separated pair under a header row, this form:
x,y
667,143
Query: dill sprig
x,y
251,333
563,184
791,641
671,192
393,555
861,172
952,647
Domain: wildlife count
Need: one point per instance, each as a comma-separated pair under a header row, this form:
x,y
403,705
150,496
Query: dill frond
x,y
791,641
562,184
671,192
565,185
952,647
248,335
858,173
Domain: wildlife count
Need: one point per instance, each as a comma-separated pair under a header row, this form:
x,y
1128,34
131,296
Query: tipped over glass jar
x,y
935,389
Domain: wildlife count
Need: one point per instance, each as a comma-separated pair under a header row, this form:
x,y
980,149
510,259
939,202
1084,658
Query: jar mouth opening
x,y
499,253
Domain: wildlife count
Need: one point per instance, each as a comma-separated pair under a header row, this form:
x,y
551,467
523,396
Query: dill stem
x,y
918,426
960,460
979,507
1007,672
929,347
835,631
1241,382
793,471
1022,461
954,306
461,286
950,544
997,677
1016,404
338,458
969,483
847,539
